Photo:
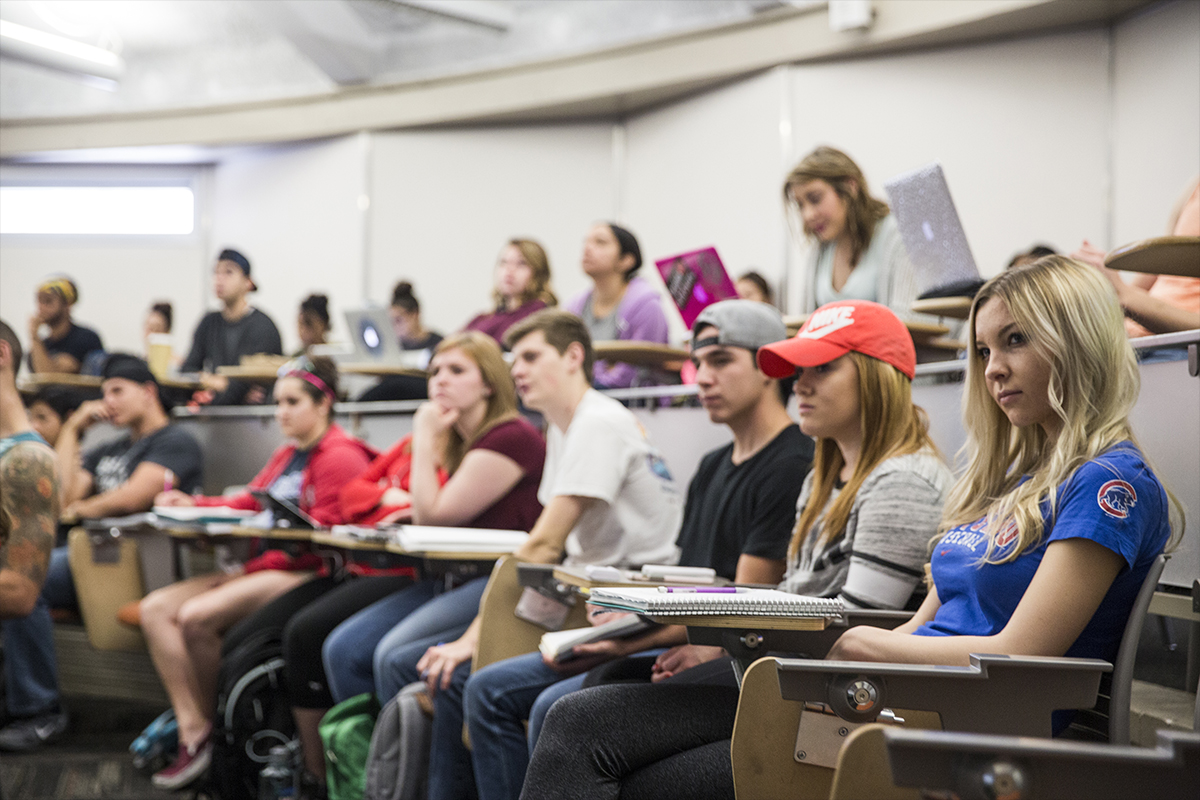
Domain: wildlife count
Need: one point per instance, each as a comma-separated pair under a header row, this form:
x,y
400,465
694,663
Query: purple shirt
x,y
640,318
497,323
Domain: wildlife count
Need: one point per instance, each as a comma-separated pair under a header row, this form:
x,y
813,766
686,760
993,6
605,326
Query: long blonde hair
x,y
839,171
1069,316
501,404
891,426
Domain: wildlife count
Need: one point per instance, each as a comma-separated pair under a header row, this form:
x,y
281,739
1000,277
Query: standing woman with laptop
x,y
184,623
858,254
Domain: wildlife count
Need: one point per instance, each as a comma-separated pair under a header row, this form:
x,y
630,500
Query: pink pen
x,y
168,480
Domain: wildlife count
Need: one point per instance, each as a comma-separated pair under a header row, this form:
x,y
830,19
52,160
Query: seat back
x,y
1109,719
108,573
503,634
976,766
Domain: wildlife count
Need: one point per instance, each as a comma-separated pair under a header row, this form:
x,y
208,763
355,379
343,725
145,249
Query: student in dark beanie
x,y
237,330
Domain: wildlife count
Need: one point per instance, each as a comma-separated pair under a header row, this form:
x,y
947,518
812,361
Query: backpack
x,y
254,714
346,733
398,761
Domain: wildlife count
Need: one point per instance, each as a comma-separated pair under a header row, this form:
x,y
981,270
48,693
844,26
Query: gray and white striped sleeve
x,y
896,516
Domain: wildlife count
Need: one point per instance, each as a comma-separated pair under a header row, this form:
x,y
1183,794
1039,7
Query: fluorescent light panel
x,y
58,52
97,210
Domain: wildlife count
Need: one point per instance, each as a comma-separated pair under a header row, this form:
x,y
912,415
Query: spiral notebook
x,y
708,601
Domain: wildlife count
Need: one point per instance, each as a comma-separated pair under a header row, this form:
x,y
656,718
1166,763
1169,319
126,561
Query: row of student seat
x,y
766,750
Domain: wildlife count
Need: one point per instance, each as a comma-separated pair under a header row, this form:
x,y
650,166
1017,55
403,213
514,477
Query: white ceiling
x,y
194,53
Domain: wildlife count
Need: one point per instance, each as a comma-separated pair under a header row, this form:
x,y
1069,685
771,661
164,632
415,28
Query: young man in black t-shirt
x,y
238,329
67,346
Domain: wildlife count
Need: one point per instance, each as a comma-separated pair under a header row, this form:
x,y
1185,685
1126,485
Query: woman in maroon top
x,y
522,287
470,431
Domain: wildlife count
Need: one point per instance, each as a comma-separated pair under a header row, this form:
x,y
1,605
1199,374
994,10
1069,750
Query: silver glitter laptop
x,y
930,228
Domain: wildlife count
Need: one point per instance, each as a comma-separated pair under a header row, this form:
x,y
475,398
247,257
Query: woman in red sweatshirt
x,y
184,622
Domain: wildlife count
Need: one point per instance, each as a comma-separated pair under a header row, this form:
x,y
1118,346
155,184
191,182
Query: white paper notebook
x,y
201,514
428,538
716,602
559,645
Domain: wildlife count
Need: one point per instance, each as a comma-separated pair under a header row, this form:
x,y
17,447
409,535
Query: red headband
x,y
312,379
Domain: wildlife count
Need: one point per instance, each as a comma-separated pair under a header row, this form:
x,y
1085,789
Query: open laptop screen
x,y
695,280
929,226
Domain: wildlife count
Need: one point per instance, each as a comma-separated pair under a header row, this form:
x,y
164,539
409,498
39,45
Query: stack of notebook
x,y
699,601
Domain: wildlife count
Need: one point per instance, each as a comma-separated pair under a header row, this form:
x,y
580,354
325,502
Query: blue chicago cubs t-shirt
x,y
1114,500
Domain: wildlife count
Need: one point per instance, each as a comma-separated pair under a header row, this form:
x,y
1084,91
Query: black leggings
x,y
636,742
305,616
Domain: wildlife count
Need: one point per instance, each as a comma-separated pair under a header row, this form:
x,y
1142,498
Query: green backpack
x,y
346,734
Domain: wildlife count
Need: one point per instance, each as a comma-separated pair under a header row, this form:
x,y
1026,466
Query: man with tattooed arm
x,y
29,506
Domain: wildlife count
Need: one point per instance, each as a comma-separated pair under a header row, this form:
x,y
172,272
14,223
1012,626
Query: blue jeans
x,y
355,652
30,665
497,701
441,620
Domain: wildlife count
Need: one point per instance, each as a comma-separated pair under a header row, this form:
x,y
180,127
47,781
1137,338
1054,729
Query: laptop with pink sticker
x,y
695,280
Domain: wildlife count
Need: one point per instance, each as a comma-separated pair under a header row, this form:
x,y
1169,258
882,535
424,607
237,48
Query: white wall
x,y
706,171
118,276
1156,119
445,202
117,283
1020,128
294,212
1035,134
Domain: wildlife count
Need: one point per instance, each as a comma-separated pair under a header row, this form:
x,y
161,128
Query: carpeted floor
x,y
91,761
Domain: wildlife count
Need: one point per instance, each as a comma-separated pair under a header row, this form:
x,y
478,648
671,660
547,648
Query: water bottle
x,y
276,779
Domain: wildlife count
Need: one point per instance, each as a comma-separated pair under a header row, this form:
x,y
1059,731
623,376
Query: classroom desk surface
x,y
254,373
351,543
921,332
742,622
578,577
31,383
180,382
348,542
641,354
222,530
380,370
952,307
1162,255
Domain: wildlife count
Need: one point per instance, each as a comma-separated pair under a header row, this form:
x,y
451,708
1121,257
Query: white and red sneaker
x,y
191,763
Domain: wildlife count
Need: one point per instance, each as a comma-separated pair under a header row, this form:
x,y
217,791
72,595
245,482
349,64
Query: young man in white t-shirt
x,y
608,497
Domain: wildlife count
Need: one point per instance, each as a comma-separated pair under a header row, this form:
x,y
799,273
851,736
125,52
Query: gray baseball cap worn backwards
x,y
740,323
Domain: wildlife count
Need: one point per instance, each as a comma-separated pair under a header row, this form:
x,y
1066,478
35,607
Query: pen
x,y
702,589
168,480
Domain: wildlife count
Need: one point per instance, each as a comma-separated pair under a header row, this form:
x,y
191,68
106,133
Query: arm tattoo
x,y
29,507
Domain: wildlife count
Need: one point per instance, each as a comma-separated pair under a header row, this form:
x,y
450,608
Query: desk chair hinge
x,y
822,733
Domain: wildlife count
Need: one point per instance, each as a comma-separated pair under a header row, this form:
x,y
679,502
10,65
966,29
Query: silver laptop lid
x,y
929,226
373,336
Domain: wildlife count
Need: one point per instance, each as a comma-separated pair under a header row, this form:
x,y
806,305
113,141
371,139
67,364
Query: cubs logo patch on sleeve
x,y
1116,498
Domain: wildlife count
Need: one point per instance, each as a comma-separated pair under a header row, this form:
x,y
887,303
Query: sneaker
x,y
191,763
31,733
